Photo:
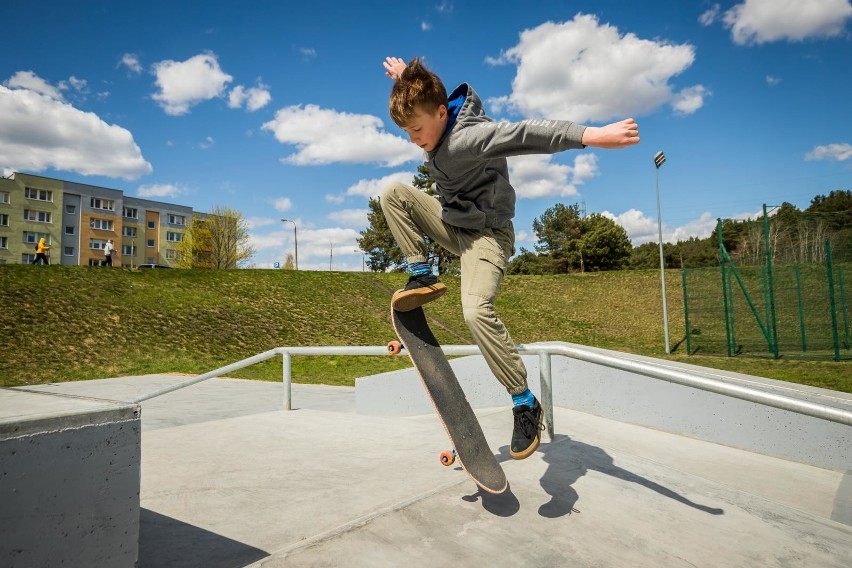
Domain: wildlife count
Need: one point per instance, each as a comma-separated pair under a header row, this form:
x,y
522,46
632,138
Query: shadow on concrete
x,y
568,460
164,541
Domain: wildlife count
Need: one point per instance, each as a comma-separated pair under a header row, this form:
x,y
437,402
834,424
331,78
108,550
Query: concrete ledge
x,y
644,401
69,480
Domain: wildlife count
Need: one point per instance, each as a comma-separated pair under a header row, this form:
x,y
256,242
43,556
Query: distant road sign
x,y
277,265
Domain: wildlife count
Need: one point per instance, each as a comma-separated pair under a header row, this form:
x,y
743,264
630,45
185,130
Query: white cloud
x,y
710,16
317,247
131,61
689,100
184,84
208,142
643,229
308,53
336,199
536,176
39,131
350,217
254,98
256,222
772,81
373,187
763,21
425,26
583,70
326,136
839,152
283,204
159,190
32,82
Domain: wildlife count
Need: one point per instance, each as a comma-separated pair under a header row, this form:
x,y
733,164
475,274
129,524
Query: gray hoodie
x,y
469,164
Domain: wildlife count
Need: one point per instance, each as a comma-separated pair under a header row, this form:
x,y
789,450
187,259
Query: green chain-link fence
x,y
793,301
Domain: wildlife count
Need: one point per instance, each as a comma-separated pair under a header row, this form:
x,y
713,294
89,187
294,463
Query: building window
x,y
37,216
102,224
4,197
69,229
69,251
4,242
177,220
128,231
27,258
130,212
70,209
128,250
150,243
31,237
97,244
152,225
39,194
170,254
174,237
105,204
4,220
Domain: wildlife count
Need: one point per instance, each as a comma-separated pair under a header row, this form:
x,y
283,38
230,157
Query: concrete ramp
x,y
326,488
228,479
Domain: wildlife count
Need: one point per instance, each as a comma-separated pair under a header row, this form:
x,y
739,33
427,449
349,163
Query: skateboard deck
x,y
449,400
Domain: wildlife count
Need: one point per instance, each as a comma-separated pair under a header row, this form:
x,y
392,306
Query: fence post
x,y
843,309
833,306
686,312
724,286
773,327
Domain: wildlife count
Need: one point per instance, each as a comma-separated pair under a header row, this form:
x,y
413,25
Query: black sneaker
x,y
525,436
418,291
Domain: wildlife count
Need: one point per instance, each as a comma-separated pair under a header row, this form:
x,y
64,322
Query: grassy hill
x,y
71,323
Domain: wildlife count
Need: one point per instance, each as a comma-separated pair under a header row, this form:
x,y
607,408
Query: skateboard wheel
x,y
448,457
394,347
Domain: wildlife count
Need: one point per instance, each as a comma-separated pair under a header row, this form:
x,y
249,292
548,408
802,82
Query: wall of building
x,y
79,228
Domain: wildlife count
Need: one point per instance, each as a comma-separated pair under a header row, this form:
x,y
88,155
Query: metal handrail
x,y
544,351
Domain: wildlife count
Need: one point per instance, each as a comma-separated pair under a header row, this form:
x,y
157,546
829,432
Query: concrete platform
x,y
229,479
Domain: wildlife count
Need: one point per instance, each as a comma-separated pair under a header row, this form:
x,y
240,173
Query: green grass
x,y
74,323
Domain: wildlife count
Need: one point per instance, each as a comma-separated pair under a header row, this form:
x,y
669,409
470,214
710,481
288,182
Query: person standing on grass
x,y
465,153
108,248
41,252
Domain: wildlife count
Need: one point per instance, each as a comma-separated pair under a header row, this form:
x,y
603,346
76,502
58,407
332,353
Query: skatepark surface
x,y
229,479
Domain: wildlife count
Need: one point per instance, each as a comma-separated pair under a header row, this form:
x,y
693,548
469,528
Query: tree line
x,y
568,241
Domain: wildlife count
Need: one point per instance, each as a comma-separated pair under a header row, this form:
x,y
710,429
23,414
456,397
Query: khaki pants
x,y
411,213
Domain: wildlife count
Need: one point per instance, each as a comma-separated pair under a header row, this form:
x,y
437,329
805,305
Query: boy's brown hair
x,y
417,88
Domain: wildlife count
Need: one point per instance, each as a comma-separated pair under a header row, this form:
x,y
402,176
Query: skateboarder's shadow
x,y
568,460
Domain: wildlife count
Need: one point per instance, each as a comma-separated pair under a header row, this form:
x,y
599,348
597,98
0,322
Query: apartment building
x,y
76,220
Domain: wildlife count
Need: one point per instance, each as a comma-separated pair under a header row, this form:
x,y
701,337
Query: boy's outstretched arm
x,y
394,66
612,136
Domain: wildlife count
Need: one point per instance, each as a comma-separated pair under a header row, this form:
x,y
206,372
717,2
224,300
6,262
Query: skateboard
x,y
449,400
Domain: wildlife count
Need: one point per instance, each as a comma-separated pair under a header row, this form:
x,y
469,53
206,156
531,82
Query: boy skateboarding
x,y
465,153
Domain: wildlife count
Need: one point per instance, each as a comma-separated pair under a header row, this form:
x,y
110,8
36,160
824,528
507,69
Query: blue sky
x,y
279,109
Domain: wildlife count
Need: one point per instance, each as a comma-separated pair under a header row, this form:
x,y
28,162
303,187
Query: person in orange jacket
x,y
41,252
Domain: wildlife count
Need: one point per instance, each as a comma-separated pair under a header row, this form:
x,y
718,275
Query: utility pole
x,y
295,240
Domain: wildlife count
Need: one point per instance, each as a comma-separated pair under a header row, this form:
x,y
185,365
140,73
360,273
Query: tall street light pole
x,y
295,240
659,160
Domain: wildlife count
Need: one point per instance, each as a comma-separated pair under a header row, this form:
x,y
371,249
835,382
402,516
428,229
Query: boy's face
x,y
426,129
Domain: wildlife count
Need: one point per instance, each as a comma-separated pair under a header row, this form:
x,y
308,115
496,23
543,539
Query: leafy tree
x,y
377,241
218,240
604,244
559,230
528,262
574,243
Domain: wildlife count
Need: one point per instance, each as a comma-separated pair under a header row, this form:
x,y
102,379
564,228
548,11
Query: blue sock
x,y
525,398
420,268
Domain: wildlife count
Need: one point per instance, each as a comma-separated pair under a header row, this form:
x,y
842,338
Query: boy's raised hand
x,y
612,136
394,66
